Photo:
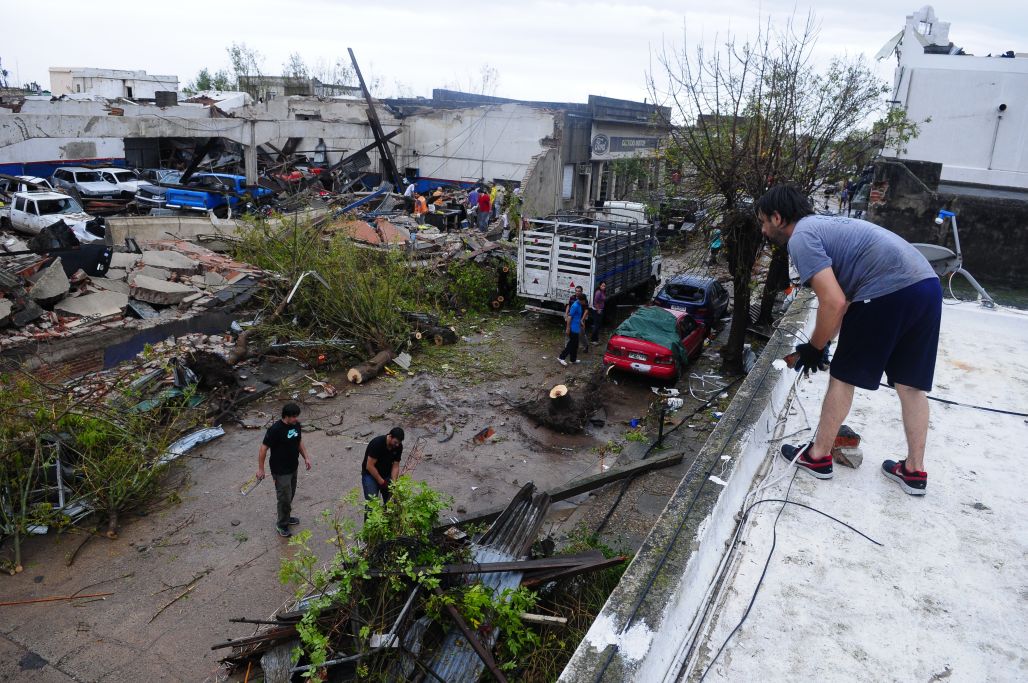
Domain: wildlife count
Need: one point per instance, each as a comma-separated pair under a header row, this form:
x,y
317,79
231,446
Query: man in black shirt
x,y
382,464
285,441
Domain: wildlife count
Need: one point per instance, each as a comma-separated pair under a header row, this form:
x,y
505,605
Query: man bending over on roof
x,y
883,299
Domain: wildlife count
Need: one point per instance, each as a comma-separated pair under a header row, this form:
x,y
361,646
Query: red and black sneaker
x,y
822,469
914,483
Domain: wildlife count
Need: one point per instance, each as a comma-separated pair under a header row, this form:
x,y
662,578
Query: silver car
x,y
86,181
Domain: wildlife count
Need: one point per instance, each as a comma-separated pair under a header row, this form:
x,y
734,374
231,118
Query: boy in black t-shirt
x,y
382,464
285,440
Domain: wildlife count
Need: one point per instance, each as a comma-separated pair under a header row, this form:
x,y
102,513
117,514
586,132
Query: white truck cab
x,y
30,212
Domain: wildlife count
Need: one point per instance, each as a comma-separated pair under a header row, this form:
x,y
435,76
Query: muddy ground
x,y
219,550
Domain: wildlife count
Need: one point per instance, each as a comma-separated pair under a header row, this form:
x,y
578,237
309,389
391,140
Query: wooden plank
x,y
583,485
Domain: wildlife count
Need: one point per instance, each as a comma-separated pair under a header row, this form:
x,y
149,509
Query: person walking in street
x,y
381,464
596,316
484,209
586,315
285,441
715,246
573,328
884,300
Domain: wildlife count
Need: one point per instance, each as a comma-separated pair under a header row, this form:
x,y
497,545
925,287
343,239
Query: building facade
x,y
109,83
972,111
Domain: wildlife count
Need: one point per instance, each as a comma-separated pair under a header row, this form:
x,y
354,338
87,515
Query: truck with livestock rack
x,y
558,253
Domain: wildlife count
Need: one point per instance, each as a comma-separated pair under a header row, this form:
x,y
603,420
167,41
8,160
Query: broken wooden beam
x,y
568,572
485,655
582,485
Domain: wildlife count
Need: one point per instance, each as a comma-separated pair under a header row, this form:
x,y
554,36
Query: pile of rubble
x,y
168,279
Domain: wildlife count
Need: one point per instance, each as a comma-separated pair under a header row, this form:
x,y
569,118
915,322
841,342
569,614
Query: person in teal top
x,y
715,245
574,329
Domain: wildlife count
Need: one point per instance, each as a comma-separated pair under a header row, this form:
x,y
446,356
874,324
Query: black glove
x,y
812,358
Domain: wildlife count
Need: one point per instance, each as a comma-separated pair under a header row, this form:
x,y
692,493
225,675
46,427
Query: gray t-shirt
x,y
868,260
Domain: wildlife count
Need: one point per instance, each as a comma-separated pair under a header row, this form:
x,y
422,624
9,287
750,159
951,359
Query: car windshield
x,y
87,177
169,176
64,205
124,176
685,293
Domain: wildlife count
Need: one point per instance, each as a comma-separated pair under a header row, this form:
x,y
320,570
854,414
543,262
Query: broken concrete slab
x,y
50,285
97,305
116,274
171,260
123,261
30,312
213,278
112,285
154,272
154,291
5,312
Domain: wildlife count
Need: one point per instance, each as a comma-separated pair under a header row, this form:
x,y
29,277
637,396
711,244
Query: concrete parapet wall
x,y
643,631
150,228
993,222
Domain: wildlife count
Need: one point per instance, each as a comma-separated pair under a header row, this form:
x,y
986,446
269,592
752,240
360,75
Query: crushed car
x,y
31,212
656,343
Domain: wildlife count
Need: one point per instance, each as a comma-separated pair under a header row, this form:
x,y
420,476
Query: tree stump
x,y
560,399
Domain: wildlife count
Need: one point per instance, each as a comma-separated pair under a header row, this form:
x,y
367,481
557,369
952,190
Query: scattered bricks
x,y
171,260
5,312
123,261
154,272
116,273
846,438
98,305
848,456
159,292
50,284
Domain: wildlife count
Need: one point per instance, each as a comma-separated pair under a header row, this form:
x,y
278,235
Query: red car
x,y
656,342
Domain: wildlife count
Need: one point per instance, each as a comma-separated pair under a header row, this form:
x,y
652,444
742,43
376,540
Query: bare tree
x,y
755,113
247,67
485,83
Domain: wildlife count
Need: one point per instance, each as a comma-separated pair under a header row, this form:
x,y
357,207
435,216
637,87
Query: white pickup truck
x,y
30,212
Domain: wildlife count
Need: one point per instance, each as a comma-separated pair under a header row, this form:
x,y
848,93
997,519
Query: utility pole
x,y
376,128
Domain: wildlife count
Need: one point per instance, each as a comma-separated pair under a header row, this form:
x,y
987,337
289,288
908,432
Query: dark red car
x,y
656,342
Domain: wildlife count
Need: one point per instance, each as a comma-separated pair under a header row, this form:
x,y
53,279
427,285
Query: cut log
x,y
370,368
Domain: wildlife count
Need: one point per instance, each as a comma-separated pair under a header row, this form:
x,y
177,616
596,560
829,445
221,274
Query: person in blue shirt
x,y
715,245
574,329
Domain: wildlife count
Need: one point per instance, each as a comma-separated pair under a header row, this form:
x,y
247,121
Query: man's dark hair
x,y
290,410
396,433
583,298
788,201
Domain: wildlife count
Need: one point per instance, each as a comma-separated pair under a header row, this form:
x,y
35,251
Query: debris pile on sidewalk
x,y
412,598
169,279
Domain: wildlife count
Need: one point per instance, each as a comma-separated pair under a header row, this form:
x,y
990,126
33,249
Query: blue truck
x,y
217,192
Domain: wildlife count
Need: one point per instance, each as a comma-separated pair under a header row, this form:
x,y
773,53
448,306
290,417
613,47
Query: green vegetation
x,y
108,453
398,538
367,291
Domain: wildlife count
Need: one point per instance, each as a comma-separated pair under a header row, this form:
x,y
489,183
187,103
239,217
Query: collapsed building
x,y
563,155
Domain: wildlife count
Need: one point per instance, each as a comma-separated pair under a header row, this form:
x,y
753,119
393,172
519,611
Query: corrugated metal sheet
x,y
507,540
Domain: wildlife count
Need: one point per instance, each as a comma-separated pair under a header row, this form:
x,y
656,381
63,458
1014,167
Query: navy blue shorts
x,y
897,334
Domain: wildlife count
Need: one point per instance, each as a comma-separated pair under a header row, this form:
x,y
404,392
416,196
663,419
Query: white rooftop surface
x,y
946,596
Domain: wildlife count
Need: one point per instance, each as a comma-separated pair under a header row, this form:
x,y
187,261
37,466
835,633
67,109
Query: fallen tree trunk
x,y
369,368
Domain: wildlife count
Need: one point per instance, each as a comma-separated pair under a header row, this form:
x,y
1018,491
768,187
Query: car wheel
x,y
5,223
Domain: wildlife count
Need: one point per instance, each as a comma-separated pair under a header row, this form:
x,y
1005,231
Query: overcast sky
x,y
558,51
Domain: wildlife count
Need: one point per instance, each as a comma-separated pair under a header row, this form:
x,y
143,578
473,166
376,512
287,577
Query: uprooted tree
x,y
754,113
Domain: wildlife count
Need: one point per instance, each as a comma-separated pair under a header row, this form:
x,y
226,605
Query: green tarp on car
x,y
657,325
